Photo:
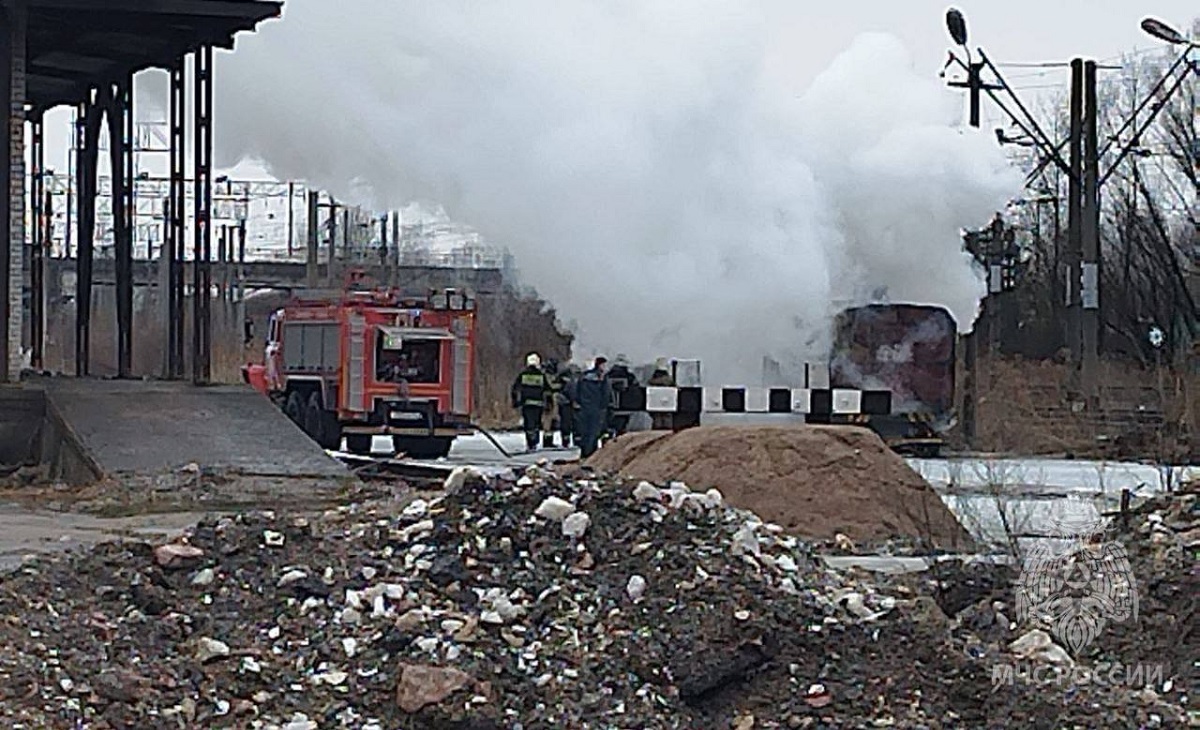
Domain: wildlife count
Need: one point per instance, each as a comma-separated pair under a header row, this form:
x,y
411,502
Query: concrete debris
x,y
422,685
208,649
177,556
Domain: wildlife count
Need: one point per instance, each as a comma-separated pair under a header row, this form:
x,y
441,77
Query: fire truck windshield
x,y
416,361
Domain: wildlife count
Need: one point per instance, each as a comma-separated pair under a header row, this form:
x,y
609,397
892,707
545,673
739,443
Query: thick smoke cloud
x,y
650,179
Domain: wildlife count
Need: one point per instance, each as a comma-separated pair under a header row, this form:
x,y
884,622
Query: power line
x,y
1041,64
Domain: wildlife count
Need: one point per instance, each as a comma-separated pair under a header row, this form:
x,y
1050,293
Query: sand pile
x,y
815,481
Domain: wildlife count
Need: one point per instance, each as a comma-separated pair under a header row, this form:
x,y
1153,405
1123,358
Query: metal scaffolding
x,y
54,54
202,246
174,235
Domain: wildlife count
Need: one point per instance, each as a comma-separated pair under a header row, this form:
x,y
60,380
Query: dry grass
x,y
511,326
149,338
1022,407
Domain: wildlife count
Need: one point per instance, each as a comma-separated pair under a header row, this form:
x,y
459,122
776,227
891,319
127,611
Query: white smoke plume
x,y
650,178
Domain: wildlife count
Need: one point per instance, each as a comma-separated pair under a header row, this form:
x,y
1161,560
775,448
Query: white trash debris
x,y
300,721
459,477
553,508
645,491
1037,645
786,564
415,529
332,678
576,524
291,577
745,541
416,508
636,587
204,577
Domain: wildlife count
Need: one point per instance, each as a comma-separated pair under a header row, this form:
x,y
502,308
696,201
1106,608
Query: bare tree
x,y
1150,232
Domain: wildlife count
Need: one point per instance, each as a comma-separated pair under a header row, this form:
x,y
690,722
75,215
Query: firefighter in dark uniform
x,y
568,404
529,392
594,395
550,414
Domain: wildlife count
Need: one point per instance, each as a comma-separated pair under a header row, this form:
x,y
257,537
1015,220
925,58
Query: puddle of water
x,y
24,531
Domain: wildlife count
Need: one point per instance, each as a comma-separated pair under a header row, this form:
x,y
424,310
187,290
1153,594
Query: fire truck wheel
x,y
322,425
358,444
294,408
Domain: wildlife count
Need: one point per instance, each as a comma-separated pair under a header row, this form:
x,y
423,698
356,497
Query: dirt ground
x,y
814,481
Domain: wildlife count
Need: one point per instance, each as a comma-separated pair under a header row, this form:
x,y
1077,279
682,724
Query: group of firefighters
x,y
584,407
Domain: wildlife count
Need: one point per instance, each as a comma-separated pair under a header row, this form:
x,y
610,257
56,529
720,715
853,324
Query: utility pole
x,y
384,258
975,85
312,239
1090,284
291,214
330,272
347,238
1075,230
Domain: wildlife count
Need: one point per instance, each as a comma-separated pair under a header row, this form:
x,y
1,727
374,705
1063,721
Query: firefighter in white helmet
x,y
529,393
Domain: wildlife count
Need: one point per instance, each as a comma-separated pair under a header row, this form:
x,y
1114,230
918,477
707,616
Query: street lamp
x,y
957,25
1164,32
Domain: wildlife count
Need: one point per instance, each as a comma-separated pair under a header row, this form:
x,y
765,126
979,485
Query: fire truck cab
x,y
369,362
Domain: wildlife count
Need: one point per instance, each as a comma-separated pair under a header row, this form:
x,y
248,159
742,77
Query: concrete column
x,y
12,179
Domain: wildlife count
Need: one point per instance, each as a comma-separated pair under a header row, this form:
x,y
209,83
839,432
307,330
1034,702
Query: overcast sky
x,y
1009,30
813,32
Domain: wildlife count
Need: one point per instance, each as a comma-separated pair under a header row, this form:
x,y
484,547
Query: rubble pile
x,y
1132,589
1162,538
530,601
16,476
816,481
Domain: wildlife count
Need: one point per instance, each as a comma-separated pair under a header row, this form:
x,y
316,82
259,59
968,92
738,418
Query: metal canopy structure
x,y
76,45
85,53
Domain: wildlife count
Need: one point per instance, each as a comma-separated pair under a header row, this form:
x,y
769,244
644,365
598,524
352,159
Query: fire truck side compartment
x,y
311,348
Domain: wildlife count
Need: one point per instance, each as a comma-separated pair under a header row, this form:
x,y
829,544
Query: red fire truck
x,y
366,362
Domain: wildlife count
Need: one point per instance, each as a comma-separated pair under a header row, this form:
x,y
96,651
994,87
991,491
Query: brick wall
x,y
16,192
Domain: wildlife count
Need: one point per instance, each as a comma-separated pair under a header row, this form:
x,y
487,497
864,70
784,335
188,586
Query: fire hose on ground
x,y
487,434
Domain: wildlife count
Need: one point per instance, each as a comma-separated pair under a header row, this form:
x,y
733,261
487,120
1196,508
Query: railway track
x,y
376,469
432,473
